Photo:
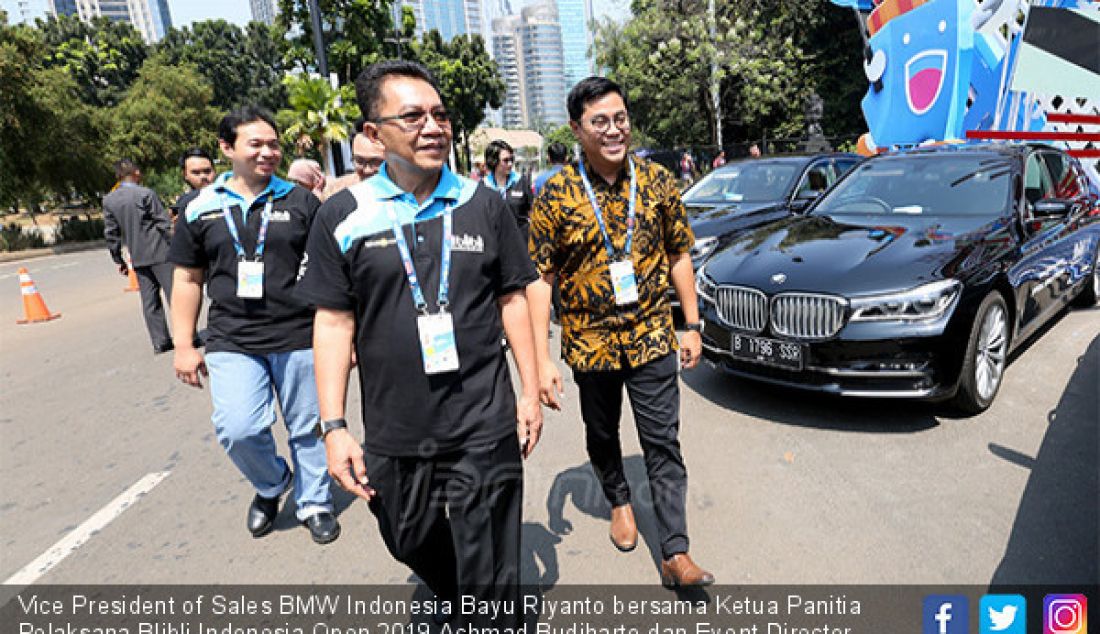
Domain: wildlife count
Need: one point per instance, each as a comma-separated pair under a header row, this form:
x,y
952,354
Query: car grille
x,y
742,308
806,316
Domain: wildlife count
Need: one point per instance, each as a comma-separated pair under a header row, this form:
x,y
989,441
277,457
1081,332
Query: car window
x,y
1036,180
816,179
1064,182
747,182
843,165
923,184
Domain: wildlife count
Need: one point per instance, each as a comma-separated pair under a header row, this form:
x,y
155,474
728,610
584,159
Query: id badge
x,y
437,343
624,282
250,279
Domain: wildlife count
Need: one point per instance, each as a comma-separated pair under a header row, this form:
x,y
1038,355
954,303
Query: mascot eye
x,y
875,68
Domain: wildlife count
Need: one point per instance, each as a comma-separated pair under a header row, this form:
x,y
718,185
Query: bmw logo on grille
x,y
779,278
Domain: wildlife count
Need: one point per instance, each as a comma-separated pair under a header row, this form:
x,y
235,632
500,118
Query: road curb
x,y
61,249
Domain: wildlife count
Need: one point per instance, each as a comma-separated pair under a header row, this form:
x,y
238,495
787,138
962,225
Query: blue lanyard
x,y
630,214
260,240
502,189
410,270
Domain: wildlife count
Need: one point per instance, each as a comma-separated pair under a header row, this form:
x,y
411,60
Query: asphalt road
x,y
785,487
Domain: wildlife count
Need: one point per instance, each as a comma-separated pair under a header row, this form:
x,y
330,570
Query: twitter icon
x,y
1002,614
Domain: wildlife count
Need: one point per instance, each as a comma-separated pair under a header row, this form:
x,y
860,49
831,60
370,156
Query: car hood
x,y
852,255
721,219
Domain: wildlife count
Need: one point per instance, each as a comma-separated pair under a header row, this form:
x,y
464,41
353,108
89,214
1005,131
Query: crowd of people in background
x,y
413,272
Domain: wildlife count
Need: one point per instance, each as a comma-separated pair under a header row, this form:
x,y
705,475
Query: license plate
x,y
766,351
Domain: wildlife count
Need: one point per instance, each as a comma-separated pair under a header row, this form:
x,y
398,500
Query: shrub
x,y
76,229
16,238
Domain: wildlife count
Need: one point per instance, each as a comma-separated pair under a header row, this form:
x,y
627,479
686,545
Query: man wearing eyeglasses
x,y
422,268
611,229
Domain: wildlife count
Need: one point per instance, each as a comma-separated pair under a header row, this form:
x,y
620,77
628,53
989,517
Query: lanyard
x,y
260,240
630,214
501,189
410,270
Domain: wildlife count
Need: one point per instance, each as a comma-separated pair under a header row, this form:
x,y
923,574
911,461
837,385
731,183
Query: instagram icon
x,y
1065,614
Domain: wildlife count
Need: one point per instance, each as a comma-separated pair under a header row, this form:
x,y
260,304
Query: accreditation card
x,y
624,282
437,343
250,279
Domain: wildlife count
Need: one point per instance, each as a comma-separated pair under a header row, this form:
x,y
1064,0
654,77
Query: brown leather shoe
x,y
680,570
624,532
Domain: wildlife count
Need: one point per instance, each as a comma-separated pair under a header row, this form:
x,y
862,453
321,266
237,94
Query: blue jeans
x,y
243,388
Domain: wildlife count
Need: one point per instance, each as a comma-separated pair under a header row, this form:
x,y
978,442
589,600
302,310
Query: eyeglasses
x,y
373,163
602,123
416,119
507,159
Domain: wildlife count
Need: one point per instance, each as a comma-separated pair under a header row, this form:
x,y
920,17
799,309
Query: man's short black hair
x,y
493,150
368,86
125,167
195,152
227,129
588,90
557,152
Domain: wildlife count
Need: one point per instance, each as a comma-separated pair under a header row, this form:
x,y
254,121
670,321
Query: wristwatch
x,y
324,427
694,327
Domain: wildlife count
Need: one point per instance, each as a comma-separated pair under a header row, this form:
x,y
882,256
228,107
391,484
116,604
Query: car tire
x,y
986,356
1088,296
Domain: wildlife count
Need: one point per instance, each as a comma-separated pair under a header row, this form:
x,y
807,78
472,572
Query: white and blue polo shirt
x,y
353,263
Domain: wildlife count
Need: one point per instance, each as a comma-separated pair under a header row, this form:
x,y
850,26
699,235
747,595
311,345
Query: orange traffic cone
x,y
34,307
133,277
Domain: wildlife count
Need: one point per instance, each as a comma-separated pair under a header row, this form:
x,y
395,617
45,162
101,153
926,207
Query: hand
x,y
123,269
550,385
529,424
691,349
345,463
190,366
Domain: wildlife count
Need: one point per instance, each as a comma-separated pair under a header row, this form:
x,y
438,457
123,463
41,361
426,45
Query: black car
x,y
915,276
751,192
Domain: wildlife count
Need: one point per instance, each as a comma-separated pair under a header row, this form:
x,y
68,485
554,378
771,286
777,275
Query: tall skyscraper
x,y
150,17
528,51
264,11
576,38
25,11
449,17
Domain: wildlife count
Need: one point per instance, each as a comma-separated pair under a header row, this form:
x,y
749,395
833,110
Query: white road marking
x,y
81,534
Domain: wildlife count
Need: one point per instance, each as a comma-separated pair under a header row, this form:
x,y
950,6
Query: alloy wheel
x,y
989,362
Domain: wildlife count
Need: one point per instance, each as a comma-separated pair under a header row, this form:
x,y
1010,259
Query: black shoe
x,y
261,515
323,527
164,347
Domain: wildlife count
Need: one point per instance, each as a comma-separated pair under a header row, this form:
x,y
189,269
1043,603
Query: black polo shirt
x,y
354,264
279,322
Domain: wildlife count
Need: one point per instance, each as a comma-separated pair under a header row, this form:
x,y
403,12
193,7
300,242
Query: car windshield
x,y
750,182
923,184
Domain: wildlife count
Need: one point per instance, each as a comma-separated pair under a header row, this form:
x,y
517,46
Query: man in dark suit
x,y
133,215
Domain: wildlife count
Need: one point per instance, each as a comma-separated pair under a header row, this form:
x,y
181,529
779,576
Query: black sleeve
x,y
186,248
515,268
326,281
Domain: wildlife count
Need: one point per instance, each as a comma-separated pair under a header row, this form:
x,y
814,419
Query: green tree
x,y
562,134
102,57
318,115
356,33
468,78
166,111
244,66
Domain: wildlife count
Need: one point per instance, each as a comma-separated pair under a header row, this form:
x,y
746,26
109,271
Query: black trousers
x,y
654,392
455,519
151,279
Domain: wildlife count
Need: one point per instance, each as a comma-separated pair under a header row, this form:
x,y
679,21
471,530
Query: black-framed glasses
x,y
416,119
366,163
602,123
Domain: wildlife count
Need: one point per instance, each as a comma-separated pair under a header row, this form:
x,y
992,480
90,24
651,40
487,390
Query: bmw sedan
x,y
915,276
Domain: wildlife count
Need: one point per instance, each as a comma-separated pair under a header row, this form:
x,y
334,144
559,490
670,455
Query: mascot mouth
x,y
924,74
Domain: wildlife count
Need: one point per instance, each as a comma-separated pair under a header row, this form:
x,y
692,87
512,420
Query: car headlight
x,y
703,247
704,286
922,303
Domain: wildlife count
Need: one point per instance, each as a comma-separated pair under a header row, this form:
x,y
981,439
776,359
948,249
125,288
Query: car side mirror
x,y
1050,208
803,200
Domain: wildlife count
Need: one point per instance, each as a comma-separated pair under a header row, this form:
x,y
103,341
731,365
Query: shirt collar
x,y
599,183
276,187
491,180
449,188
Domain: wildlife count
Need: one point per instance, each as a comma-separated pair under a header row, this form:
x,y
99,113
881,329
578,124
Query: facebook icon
x,y
946,614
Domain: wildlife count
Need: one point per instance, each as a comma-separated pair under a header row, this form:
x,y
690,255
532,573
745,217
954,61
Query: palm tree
x,y
318,115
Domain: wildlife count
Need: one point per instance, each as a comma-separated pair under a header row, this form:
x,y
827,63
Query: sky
x,y
185,12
